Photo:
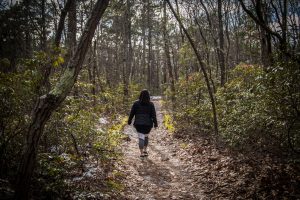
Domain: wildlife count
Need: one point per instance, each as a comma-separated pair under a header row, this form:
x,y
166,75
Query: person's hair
x,y
144,96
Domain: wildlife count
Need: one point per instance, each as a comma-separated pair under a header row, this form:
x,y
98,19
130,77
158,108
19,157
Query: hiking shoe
x,y
145,153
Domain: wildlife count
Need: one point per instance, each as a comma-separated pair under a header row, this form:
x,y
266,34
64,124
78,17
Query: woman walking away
x,y
145,117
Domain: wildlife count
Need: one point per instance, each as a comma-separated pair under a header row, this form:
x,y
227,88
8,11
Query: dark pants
x,y
143,143
143,130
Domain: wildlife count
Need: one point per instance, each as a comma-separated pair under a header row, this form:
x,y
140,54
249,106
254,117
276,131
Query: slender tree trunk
x,y
221,43
94,73
61,23
71,37
167,53
144,42
149,45
180,29
284,26
164,72
157,79
72,29
43,41
134,63
228,46
215,42
28,35
127,51
44,85
237,39
51,101
265,38
90,66
207,55
202,65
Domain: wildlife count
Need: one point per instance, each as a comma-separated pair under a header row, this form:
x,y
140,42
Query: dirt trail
x,y
164,174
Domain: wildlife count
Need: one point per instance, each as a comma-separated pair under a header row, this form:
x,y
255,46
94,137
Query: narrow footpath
x,y
164,174
195,169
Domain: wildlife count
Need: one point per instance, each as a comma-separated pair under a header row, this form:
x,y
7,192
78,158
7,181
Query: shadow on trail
x,y
156,174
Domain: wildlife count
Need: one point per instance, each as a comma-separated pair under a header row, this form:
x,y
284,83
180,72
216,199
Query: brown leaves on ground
x,y
197,169
231,175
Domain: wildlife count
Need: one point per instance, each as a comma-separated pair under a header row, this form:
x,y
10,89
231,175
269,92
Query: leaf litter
x,y
200,170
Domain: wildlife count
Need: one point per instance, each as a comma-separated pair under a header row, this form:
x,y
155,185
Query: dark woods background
x,y
249,49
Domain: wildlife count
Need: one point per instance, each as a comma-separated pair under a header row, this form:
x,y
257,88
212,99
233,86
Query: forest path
x,y
164,174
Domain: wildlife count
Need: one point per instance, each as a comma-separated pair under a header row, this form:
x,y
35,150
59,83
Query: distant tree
x,y
203,68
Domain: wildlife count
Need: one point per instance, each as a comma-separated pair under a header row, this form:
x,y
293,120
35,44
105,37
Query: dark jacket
x,y
144,114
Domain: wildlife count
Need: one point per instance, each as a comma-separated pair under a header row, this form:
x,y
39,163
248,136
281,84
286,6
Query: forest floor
x,y
185,167
178,168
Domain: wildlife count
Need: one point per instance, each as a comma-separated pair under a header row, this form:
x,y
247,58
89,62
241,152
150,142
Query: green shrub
x,y
240,105
17,95
255,107
49,179
192,108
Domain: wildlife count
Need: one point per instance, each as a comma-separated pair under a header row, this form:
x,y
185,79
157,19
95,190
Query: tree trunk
x,y
44,85
72,28
144,41
149,45
61,23
215,42
203,68
164,73
167,53
71,37
51,101
221,43
284,21
265,38
127,61
207,55
43,36
94,73
28,35
237,38
180,29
